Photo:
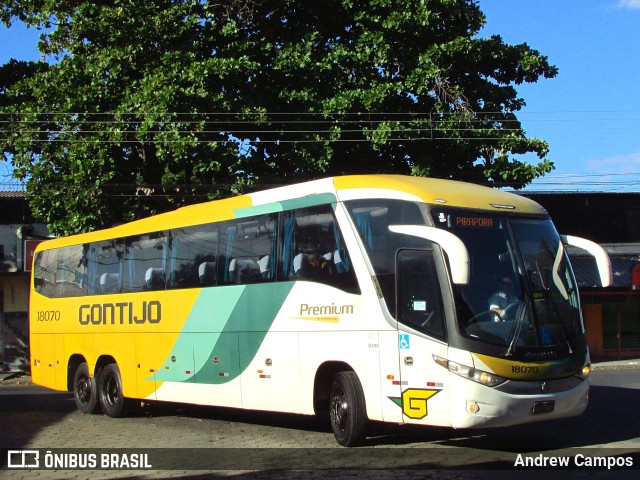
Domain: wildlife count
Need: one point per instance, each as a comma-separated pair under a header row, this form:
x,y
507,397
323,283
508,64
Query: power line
x,y
481,126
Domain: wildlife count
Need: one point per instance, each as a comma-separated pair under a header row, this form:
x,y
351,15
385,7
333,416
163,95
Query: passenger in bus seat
x,y
318,266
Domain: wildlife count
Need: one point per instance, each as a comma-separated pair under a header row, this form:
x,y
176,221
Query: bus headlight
x,y
585,372
470,373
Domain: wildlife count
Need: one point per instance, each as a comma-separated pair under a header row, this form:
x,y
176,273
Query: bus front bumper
x,y
477,406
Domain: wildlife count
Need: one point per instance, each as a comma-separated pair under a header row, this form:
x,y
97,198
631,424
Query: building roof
x,y
604,217
11,194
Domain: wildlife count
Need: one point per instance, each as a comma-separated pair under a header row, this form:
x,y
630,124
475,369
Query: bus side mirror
x,y
602,257
452,245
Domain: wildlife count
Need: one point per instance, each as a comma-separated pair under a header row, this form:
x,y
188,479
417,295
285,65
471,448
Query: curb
x,y
15,378
618,365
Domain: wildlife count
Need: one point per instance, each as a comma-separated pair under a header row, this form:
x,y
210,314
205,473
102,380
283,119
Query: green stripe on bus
x,y
258,210
308,201
219,319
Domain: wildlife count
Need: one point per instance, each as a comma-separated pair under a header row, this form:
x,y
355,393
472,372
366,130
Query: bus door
x,y
421,334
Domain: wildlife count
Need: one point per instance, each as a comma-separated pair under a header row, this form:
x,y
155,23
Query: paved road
x,y
259,445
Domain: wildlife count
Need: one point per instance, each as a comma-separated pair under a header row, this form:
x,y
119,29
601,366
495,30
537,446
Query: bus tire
x,y
85,391
347,409
110,392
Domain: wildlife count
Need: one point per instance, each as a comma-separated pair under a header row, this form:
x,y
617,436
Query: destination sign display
x,y
450,219
481,222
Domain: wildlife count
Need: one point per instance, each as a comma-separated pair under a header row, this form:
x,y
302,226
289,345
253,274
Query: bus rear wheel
x,y
85,391
347,409
113,403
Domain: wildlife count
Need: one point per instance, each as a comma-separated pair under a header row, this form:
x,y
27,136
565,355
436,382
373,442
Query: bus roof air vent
x,y
503,206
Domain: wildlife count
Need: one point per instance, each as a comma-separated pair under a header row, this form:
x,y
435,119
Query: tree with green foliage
x,y
140,107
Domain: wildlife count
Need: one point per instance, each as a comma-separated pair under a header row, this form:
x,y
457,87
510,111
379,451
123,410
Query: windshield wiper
x,y
516,332
512,345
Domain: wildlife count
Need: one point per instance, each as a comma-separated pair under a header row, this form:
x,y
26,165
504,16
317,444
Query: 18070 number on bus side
x,y
48,315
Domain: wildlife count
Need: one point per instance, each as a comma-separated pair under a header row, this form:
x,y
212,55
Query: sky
x,y
589,113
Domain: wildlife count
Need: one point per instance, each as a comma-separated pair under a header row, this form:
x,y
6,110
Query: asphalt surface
x,y
268,446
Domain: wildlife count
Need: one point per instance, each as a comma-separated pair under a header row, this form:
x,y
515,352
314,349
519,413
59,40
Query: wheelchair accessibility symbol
x,y
404,341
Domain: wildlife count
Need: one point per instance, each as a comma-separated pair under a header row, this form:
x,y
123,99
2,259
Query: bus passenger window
x,y
313,249
70,272
144,263
192,256
60,272
103,267
44,272
249,245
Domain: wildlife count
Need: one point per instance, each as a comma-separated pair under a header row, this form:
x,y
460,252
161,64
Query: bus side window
x,y
193,256
60,272
70,272
313,249
249,246
144,263
44,272
371,218
103,267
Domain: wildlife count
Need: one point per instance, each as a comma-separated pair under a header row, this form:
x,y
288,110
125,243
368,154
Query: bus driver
x,y
499,301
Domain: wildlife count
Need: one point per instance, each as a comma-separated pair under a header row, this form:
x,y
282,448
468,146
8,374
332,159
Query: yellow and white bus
x,y
372,297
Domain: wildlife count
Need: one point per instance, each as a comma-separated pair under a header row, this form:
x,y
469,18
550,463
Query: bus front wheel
x,y
113,403
85,391
347,409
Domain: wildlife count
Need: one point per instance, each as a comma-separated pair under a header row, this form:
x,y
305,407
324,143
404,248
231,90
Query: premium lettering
x,y
325,310
122,313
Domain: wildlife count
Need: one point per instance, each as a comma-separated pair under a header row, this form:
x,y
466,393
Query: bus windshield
x,y
521,292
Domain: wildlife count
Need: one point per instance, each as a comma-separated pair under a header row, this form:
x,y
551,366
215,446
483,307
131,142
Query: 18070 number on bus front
x,y
524,369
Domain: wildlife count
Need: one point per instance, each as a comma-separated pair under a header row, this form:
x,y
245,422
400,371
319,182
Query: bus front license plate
x,y
543,407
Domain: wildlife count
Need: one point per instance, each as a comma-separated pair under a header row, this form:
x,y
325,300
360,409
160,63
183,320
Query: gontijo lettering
x,y
123,313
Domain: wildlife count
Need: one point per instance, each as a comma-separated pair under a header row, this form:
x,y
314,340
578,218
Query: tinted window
x,y
103,266
144,263
60,272
372,219
419,300
248,249
193,256
307,242
44,272
313,249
